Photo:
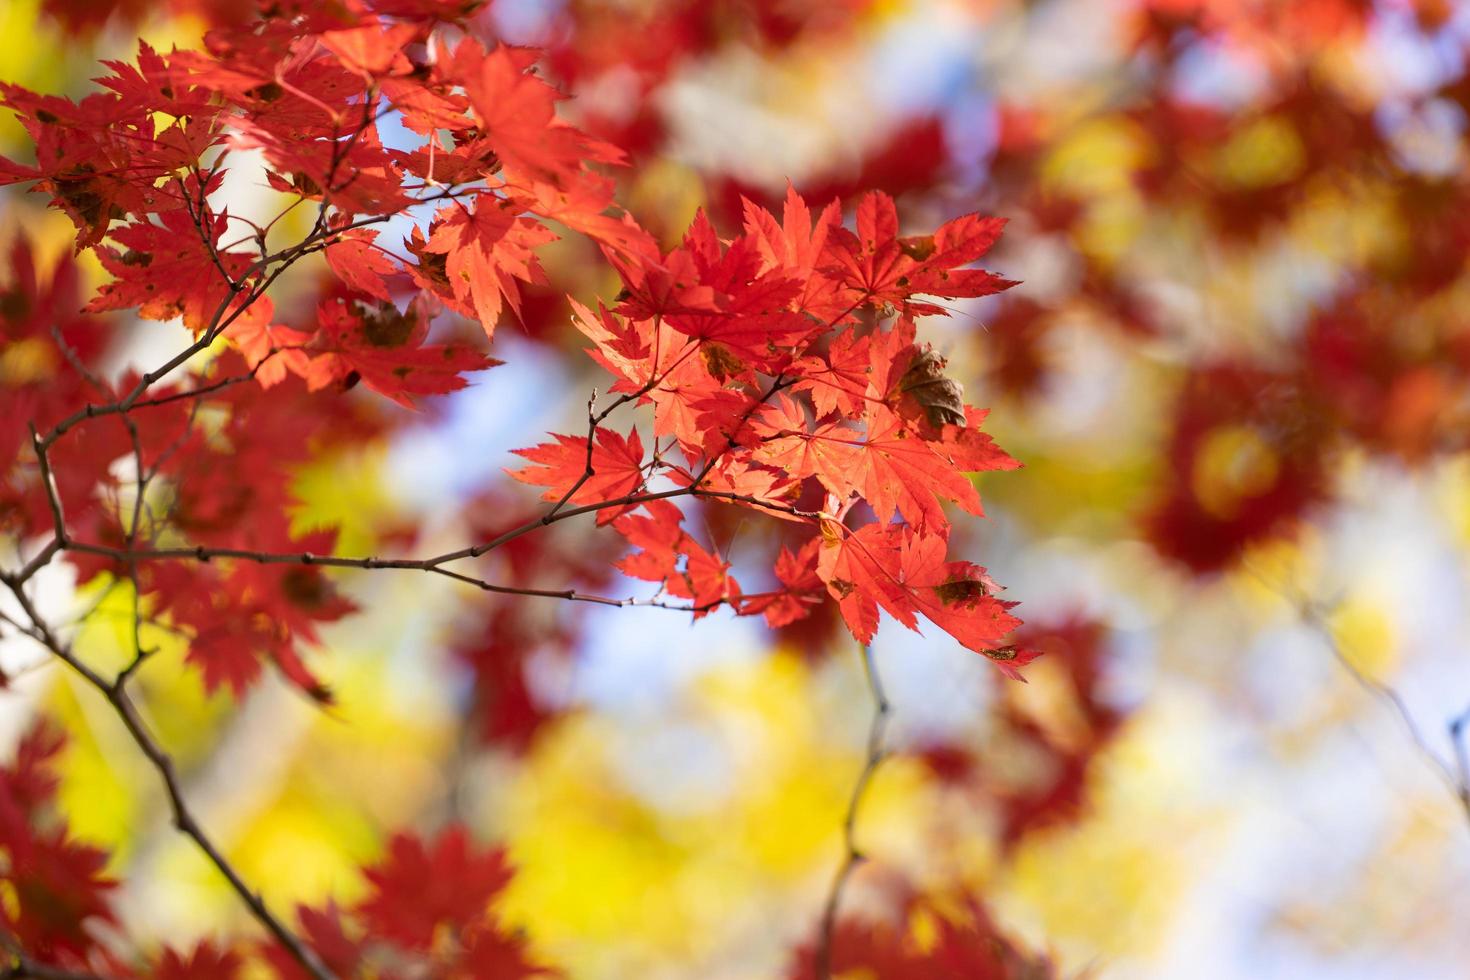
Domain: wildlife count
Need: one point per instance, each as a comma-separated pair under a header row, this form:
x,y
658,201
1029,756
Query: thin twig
x,y
850,861
1457,777
201,553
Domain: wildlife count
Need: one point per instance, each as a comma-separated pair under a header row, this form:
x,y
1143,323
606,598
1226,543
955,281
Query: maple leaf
x,y
706,579
616,469
419,886
29,782
802,588
624,347
958,242
271,350
901,471
583,206
668,555
662,364
204,961
797,246
971,450
241,615
493,954
838,380
360,264
718,296
878,267
830,453
903,570
380,345
485,250
767,489
106,158
373,49
168,270
517,115
657,535
57,884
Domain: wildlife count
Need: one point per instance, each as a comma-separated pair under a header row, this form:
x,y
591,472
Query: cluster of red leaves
x,y
57,884
784,378
428,910
779,369
952,938
228,483
781,366
1399,404
39,325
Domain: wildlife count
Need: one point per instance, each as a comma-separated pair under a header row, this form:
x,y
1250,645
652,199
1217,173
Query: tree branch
x,y
1455,777
162,762
850,861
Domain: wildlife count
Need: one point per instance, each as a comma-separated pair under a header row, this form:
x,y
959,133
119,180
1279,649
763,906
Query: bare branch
x,y
1455,778
163,763
433,564
850,861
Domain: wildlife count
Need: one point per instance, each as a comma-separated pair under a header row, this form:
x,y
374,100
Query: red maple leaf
x,y
383,347
517,115
169,270
204,961
56,884
879,267
802,588
484,251
361,264
668,555
904,571
616,469
420,886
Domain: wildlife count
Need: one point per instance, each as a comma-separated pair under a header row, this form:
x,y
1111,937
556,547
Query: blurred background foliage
x,y
1235,373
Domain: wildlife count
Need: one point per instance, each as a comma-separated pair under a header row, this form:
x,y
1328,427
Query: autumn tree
x,y
771,366
1249,217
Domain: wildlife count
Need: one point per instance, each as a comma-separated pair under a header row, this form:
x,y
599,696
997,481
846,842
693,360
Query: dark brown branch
x,y
161,761
201,553
241,297
850,861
